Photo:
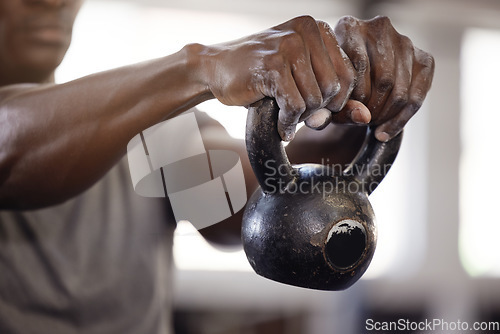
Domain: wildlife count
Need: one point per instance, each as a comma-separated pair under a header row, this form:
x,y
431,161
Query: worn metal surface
x,y
306,226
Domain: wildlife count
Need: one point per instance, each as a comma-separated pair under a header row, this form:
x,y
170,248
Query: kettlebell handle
x,y
270,162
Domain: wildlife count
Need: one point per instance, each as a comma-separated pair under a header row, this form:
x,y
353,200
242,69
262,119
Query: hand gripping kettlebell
x,y
309,225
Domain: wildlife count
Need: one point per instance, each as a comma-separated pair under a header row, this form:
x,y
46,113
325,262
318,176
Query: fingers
x,y
321,72
353,112
351,38
392,76
399,95
319,119
338,99
324,69
383,54
363,71
343,69
423,70
290,102
290,63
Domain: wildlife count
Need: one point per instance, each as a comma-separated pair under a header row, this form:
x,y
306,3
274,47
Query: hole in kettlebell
x,y
345,243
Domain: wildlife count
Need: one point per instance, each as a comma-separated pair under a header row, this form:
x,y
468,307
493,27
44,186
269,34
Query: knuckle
x,y
400,99
291,42
274,63
361,63
347,21
306,22
416,101
293,110
425,59
333,88
398,125
385,84
381,20
429,62
344,86
344,27
322,25
314,102
382,25
286,122
405,42
330,87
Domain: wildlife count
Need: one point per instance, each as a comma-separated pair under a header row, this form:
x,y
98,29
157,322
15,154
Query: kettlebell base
x,y
290,241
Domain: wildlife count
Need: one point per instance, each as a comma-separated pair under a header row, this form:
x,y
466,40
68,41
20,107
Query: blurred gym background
x,y
438,252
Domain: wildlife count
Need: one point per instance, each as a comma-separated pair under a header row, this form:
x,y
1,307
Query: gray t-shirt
x,y
99,263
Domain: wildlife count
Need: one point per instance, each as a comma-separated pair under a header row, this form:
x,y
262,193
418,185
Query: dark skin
x,y
315,74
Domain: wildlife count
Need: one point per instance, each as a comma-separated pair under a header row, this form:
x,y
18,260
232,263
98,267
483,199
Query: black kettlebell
x,y
309,225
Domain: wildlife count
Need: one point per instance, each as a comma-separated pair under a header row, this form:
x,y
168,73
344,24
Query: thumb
x,y
319,119
354,112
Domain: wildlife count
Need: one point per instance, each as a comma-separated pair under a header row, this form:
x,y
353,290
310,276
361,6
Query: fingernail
x,y
289,135
286,134
319,119
382,136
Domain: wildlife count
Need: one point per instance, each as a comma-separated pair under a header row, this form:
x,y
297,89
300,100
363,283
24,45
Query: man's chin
x,y
39,66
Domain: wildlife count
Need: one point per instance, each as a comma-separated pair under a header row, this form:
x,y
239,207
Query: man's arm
x,y
57,140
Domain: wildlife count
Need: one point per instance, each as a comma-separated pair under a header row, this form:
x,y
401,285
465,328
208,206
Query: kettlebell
x,y
310,225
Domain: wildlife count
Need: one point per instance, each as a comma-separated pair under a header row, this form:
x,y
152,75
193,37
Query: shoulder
x,y
9,91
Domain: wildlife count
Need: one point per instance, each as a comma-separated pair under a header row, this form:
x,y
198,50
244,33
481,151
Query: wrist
x,y
198,65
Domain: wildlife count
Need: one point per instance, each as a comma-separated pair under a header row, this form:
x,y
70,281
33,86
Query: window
x,y
479,181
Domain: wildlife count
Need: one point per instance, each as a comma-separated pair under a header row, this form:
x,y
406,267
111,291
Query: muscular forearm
x,y
57,140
